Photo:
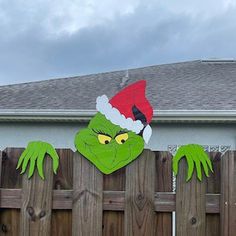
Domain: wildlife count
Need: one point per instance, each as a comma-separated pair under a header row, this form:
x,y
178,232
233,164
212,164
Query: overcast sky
x,y
43,39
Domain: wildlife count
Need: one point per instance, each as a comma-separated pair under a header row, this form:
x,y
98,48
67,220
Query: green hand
x,y
194,154
34,154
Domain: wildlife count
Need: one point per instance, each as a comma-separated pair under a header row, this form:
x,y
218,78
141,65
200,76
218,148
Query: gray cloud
x,y
34,46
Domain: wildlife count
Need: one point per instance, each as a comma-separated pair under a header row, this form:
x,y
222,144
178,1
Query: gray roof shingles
x,y
193,85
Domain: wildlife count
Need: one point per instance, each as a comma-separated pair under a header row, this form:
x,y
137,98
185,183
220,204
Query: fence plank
x,y
61,223
10,178
190,203
139,196
113,221
163,184
213,187
228,194
37,203
0,167
87,199
0,174
62,219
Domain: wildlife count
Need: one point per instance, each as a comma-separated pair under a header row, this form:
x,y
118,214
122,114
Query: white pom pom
x,y
147,133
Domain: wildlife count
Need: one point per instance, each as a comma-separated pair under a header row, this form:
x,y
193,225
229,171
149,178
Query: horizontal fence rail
x,y
112,200
135,200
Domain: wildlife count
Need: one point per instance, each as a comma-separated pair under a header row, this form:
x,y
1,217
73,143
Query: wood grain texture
x,y
61,223
0,173
228,194
37,203
62,219
213,187
139,195
0,168
11,179
87,198
112,200
163,183
113,221
190,203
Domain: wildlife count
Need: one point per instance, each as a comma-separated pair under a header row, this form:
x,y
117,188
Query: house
x,y
194,102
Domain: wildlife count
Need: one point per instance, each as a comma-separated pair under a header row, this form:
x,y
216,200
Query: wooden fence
x,y
136,200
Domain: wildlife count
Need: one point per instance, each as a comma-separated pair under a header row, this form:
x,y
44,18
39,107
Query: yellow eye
x,y
121,138
104,139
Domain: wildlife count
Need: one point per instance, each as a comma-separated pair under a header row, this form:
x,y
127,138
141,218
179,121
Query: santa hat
x,y
129,109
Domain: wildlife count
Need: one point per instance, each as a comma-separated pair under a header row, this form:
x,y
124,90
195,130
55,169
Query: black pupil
x,y
106,142
122,140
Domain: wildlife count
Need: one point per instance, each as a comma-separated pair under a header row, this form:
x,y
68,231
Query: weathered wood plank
x,y
213,187
0,167
0,172
228,194
190,203
113,221
139,195
62,223
9,221
37,203
11,178
112,200
63,180
163,183
87,199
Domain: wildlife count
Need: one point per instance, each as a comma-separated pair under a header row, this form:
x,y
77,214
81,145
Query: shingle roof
x,y
194,85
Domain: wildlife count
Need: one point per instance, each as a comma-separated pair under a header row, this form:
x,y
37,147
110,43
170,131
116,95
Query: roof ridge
x,y
95,74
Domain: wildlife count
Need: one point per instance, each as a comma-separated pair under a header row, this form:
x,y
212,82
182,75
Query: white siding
x,y
62,134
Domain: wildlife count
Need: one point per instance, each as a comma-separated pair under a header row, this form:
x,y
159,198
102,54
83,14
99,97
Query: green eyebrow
x,y
121,132
101,132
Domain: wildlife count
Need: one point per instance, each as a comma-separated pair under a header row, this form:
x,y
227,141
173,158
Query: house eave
x,y
162,116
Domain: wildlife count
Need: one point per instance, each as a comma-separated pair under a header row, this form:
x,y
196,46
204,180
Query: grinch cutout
x,y
116,134
115,137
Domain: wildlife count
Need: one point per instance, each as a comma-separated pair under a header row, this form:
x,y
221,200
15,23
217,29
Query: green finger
x,y
40,161
191,153
26,160
32,164
190,167
22,158
204,158
176,159
208,160
198,168
33,161
53,154
205,167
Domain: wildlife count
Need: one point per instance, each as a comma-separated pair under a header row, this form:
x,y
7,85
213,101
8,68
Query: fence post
x,y
139,196
190,203
228,194
87,198
37,202
0,170
164,178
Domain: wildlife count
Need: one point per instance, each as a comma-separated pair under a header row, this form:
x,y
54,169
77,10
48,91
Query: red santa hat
x,y
129,109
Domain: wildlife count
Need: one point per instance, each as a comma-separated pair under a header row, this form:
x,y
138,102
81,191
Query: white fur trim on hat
x,y
147,133
113,114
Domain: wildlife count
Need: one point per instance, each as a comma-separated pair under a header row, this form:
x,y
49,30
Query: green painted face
x,y
108,146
